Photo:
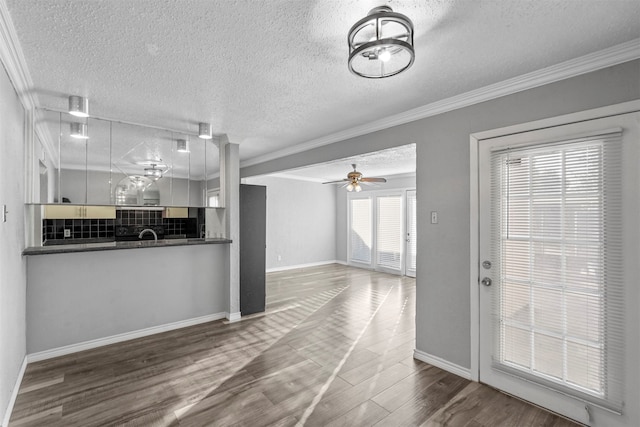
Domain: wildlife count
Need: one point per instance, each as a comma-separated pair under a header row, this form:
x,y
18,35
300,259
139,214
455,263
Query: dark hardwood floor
x,y
334,349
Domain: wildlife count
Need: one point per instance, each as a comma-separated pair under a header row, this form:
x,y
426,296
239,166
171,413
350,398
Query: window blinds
x,y
360,232
389,231
557,251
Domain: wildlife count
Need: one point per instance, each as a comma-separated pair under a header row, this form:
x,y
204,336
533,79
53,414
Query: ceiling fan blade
x,y
336,182
373,180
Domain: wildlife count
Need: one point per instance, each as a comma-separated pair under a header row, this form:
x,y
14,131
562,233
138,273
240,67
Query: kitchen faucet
x,y
155,236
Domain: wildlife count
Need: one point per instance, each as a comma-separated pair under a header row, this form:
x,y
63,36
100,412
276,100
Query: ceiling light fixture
x,y
152,172
381,44
78,106
204,131
78,130
182,146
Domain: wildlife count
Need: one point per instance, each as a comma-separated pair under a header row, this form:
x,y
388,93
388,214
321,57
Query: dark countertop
x,y
107,246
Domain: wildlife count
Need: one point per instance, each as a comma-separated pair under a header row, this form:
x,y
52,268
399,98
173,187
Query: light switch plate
x,y
434,217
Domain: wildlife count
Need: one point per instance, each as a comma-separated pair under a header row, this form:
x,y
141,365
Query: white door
x,y
412,234
559,307
389,233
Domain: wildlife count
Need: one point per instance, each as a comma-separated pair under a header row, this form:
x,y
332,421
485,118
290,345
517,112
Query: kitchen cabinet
x,y
176,213
79,212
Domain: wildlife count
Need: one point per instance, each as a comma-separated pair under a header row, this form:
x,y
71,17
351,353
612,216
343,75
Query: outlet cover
x,y
67,232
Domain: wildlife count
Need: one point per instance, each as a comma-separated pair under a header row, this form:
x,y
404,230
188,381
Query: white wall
x,y
105,293
301,221
442,144
12,266
342,210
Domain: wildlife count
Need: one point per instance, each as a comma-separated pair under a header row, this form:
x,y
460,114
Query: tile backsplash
x,y
53,229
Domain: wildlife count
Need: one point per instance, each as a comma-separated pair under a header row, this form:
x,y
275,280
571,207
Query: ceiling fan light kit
x,y
354,179
381,44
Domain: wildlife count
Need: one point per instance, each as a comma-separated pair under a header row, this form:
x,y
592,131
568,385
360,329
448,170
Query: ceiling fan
x,y
354,179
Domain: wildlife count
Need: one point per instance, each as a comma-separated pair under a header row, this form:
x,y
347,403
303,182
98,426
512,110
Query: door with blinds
x,y
558,270
377,231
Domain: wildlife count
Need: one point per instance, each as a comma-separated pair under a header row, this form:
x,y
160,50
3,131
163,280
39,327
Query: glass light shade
x,y
350,186
381,44
357,188
204,131
78,130
182,146
78,106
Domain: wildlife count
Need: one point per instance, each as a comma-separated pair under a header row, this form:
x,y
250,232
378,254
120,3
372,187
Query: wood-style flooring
x,y
334,349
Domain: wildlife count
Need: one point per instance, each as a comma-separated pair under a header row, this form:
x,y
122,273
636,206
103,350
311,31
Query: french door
x,y
558,273
378,232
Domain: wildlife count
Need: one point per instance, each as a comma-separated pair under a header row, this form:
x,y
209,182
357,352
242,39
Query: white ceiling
x,y
273,74
385,163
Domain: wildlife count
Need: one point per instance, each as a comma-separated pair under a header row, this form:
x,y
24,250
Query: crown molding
x,y
609,57
12,57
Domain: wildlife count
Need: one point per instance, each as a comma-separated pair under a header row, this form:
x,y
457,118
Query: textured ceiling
x,y
272,74
393,161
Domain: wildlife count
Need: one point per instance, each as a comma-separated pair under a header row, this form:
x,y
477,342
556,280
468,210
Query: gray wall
x,y
301,221
342,210
442,304
173,191
12,266
105,293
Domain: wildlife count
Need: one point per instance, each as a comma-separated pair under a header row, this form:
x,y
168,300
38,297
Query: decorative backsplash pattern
x,y
53,229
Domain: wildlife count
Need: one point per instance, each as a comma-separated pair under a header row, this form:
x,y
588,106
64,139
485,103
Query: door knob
x,y
486,281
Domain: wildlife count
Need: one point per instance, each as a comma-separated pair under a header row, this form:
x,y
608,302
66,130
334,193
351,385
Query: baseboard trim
x,y
233,317
311,264
14,393
442,364
100,342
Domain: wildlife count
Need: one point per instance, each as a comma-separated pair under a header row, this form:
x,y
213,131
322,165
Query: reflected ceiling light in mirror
x,y
78,130
78,106
381,44
153,172
182,145
204,131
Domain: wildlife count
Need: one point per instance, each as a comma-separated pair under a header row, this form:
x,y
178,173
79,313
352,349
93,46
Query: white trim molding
x,y
442,364
233,317
14,393
87,345
609,57
294,267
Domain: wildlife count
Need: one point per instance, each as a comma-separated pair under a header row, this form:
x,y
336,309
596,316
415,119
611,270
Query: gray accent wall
x,y
12,266
100,294
443,295
301,221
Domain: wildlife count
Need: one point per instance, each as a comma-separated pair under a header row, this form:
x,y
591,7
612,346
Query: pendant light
x,y
381,44
78,130
204,131
78,106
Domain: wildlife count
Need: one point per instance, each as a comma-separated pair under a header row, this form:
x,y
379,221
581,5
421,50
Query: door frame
x,y
474,215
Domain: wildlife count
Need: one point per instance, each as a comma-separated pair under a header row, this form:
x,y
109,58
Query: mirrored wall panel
x,y
102,162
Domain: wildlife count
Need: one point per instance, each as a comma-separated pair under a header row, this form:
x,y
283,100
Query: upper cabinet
x,y
114,163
